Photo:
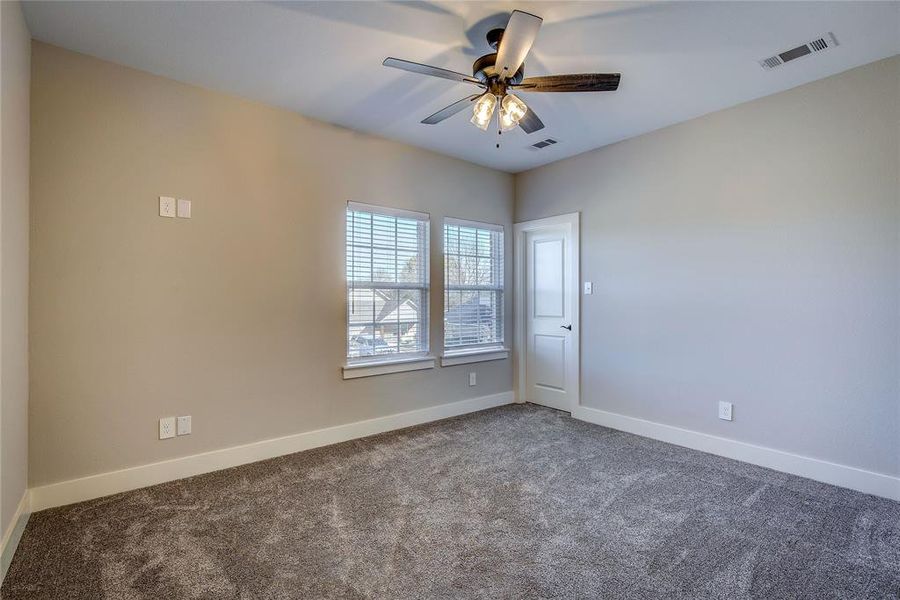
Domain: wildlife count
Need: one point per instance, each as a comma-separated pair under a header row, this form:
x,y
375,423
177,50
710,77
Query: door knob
x,y
569,327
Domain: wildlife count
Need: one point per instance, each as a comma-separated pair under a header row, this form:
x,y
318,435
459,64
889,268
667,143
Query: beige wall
x,y
14,107
751,256
236,316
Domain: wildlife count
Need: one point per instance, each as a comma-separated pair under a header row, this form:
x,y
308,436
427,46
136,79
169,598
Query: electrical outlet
x,y
167,207
473,378
183,425
725,409
166,428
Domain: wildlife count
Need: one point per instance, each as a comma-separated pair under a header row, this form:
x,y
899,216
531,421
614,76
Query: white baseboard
x,y
861,480
13,534
104,484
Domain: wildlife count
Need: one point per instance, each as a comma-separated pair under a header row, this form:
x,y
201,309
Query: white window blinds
x,y
387,282
473,284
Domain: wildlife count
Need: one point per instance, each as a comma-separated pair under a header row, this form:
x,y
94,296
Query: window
x,y
387,283
473,285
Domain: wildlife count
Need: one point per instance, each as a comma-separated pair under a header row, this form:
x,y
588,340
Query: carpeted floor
x,y
514,502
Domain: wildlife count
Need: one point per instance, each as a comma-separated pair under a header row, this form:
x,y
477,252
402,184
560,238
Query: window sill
x,y
465,357
383,367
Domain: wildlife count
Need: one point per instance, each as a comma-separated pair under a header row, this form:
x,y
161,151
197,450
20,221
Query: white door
x,y
549,307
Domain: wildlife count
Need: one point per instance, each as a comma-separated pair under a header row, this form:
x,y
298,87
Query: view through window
x,y
473,285
387,282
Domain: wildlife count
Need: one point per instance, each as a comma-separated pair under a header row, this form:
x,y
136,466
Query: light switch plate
x,y
473,378
588,288
184,425
167,207
166,428
184,209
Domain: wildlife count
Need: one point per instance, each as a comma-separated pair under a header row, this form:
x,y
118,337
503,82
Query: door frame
x,y
571,223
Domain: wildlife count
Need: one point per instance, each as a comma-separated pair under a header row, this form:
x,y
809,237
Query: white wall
x,y
750,255
14,120
236,316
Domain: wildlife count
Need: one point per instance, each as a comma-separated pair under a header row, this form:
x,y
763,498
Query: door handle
x,y
569,327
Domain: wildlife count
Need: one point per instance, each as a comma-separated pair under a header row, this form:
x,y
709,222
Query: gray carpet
x,y
514,502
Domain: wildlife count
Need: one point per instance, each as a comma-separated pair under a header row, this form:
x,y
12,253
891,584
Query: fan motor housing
x,y
483,69
494,36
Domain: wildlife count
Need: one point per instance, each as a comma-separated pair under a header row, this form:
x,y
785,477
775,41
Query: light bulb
x,y
483,111
511,112
506,120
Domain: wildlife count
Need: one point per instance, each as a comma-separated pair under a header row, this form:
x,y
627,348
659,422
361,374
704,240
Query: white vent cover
x,y
817,45
543,144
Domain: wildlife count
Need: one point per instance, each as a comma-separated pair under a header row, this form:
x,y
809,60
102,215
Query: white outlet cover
x,y
166,428
167,207
184,425
725,411
588,288
473,378
184,209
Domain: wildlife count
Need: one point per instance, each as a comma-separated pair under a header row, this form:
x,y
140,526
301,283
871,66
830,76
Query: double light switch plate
x,y
171,207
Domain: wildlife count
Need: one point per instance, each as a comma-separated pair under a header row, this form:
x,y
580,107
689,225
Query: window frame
x,y
362,366
478,352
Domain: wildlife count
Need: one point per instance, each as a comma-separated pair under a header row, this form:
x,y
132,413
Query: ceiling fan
x,y
503,71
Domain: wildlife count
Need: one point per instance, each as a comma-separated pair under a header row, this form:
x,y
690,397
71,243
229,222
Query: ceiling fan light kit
x,y
511,112
499,72
483,111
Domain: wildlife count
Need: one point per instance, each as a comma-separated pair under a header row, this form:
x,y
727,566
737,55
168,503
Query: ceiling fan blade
x,y
586,82
530,122
451,110
412,67
516,42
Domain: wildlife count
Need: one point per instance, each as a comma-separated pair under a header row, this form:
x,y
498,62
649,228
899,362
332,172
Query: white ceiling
x,y
678,60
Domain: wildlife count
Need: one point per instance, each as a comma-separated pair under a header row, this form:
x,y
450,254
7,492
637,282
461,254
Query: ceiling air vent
x,y
818,45
544,143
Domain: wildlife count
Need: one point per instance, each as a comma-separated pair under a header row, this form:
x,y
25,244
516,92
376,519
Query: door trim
x,y
571,222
